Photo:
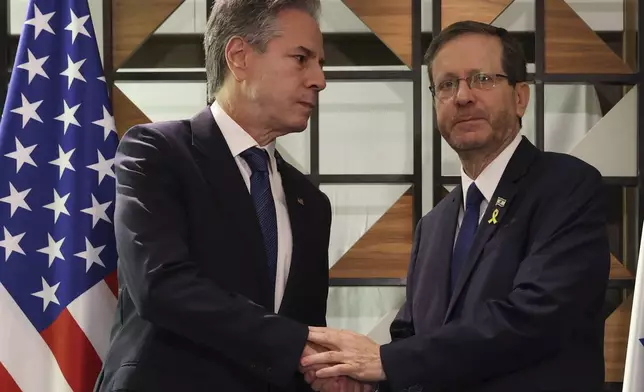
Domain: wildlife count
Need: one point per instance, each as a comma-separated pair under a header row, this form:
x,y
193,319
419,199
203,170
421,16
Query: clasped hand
x,y
342,361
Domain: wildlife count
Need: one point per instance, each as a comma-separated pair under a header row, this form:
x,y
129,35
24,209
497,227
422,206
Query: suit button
x,y
268,370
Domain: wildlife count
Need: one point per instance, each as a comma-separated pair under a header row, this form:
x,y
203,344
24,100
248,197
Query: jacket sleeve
x,y
168,288
562,278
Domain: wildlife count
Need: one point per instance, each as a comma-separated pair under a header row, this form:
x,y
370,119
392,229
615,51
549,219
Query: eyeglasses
x,y
480,81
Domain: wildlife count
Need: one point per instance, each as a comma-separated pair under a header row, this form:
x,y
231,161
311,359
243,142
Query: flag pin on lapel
x,y
500,202
300,200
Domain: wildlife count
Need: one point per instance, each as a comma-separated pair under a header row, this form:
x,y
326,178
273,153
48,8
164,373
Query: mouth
x,y
467,120
307,105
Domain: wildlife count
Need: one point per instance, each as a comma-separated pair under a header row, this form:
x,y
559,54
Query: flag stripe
x,y
113,282
24,354
93,311
7,383
68,343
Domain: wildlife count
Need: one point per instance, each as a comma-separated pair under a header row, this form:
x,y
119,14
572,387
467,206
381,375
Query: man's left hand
x,y
352,355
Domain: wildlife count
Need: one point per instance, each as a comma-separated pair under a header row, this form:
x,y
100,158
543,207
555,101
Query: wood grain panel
x,y
383,251
618,270
389,20
571,46
615,341
133,21
126,113
484,11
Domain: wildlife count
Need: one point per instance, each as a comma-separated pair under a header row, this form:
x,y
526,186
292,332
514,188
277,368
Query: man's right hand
x,y
335,384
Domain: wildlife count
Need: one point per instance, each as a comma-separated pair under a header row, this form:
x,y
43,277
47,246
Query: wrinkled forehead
x,y
466,55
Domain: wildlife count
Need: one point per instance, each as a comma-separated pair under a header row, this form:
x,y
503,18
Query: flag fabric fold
x,y
57,189
634,367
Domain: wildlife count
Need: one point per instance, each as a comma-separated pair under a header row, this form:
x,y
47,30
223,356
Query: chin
x,y
467,141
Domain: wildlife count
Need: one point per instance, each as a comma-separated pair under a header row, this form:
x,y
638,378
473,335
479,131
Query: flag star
x,y
97,211
53,249
63,160
58,205
103,167
40,21
68,116
48,294
34,66
11,244
22,155
102,79
77,25
16,199
28,111
107,122
73,71
91,255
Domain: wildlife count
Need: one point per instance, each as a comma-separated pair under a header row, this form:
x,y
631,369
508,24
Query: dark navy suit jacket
x,y
526,312
194,308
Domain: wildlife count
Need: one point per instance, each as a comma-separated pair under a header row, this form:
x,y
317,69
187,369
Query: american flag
x,y
57,190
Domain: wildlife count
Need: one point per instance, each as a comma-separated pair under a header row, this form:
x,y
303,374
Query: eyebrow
x,y
453,75
310,53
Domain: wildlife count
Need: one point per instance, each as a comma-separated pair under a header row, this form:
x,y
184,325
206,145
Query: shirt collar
x,y
236,137
489,178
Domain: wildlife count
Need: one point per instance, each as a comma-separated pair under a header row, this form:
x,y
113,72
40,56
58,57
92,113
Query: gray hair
x,y
252,20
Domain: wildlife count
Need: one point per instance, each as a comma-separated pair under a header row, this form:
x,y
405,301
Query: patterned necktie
x,y
260,190
467,231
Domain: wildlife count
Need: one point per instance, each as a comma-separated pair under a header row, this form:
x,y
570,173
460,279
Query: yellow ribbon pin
x,y
493,220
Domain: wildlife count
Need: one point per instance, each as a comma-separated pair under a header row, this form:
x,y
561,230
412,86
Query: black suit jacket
x,y
194,307
526,312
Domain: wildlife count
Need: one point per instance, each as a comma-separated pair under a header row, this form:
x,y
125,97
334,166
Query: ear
x,y
521,97
236,53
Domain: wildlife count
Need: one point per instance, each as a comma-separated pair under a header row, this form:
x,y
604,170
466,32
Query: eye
x,y
482,78
300,58
446,85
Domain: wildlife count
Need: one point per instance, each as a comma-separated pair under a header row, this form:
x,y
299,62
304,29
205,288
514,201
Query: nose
x,y
463,93
316,78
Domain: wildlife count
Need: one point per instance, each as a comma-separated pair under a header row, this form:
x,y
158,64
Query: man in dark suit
x,y
223,245
508,272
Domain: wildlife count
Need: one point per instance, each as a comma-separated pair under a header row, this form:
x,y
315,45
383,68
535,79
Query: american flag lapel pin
x,y
300,200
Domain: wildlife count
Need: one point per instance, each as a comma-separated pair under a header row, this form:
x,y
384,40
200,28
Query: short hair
x,y
513,59
252,20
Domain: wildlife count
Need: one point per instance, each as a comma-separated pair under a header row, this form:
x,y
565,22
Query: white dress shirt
x,y
238,141
488,180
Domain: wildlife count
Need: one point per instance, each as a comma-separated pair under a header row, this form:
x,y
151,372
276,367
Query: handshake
x,y
341,361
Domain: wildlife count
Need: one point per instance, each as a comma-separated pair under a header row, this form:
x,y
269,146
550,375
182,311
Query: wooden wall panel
x,y
390,20
384,250
616,340
571,46
485,11
133,21
618,270
126,113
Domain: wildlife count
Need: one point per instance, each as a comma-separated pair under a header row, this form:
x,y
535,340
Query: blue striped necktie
x,y
260,190
467,231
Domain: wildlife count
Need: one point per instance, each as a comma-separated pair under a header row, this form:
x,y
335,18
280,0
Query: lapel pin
x,y
500,202
493,220
300,200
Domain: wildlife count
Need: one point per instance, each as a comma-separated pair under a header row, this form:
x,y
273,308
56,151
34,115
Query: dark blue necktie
x,y
260,190
467,231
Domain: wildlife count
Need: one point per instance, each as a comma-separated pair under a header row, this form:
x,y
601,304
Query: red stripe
x,y
7,384
74,353
113,283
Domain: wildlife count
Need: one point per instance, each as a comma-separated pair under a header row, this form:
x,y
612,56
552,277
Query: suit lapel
x,y
220,170
440,269
296,212
495,212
